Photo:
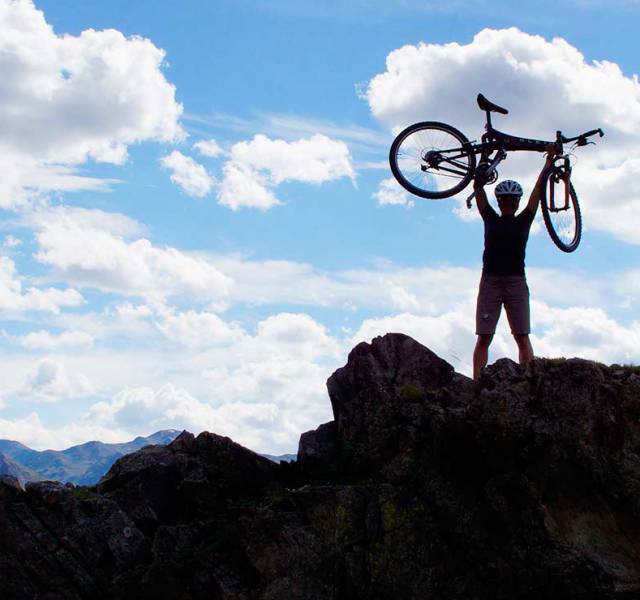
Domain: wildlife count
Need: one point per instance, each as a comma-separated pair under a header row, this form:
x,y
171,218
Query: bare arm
x,y
481,195
536,193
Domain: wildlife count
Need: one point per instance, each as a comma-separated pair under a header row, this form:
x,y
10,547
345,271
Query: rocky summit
x,y
427,485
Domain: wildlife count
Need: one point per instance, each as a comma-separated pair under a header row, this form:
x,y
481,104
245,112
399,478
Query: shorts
x,y
496,290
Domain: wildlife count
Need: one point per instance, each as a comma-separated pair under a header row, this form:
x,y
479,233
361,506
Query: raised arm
x,y
481,196
536,193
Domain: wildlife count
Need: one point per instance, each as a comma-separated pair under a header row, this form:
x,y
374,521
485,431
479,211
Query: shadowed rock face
x,y
525,484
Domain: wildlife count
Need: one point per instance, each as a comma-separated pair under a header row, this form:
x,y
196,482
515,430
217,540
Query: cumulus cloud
x,y
50,381
14,299
91,255
199,329
546,85
262,389
45,340
31,431
313,160
294,335
73,98
187,174
390,192
209,148
173,407
242,187
587,332
259,165
385,286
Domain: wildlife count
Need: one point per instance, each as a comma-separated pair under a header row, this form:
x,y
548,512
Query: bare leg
x,y
525,350
481,354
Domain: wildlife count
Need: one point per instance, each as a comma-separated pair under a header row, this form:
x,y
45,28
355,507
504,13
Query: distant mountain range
x,y
281,457
84,464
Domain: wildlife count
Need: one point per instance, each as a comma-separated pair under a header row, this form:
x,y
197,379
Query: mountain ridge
x,y
81,464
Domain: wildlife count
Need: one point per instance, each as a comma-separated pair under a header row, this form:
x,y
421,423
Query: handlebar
x,y
582,138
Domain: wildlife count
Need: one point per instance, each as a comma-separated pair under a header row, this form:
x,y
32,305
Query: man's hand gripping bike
x,y
435,160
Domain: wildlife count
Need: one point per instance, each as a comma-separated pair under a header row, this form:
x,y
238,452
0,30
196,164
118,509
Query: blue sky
x,y
147,281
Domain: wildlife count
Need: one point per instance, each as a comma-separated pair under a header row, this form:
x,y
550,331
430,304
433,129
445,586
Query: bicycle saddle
x,y
484,104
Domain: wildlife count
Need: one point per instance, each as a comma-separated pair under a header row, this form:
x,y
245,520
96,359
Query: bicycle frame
x,y
500,142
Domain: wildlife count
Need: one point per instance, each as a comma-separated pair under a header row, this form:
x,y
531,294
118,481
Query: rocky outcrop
x,y
525,484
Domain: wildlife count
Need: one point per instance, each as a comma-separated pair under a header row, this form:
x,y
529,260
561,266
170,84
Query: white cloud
x,y
31,431
196,329
15,300
314,160
83,251
74,98
243,187
257,166
187,174
390,192
173,407
264,388
386,286
209,148
587,332
50,381
45,340
528,75
295,335
63,216
11,241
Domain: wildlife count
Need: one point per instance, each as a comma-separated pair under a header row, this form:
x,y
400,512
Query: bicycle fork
x,y
500,156
562,173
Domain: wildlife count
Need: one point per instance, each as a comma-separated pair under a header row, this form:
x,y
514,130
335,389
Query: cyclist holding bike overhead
x,y
503,278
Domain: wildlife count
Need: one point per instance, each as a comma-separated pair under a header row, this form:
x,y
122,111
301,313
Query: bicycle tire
x,y
568,238
406,171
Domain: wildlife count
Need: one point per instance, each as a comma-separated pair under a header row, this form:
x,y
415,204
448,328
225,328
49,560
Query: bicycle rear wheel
x,y
432,160
561,211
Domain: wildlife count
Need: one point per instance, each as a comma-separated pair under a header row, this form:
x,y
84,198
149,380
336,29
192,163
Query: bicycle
x,y
424,156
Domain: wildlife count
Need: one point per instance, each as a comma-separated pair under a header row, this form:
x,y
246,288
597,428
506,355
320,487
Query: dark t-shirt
x,y
505,241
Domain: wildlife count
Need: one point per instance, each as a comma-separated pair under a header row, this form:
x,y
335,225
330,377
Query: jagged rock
x,y
525,484
383,394
10,482
318,444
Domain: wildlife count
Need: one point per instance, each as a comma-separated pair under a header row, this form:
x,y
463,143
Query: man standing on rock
x,y
503,277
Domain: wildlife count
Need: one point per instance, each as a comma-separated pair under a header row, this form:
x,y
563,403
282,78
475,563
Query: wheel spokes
x,y
413,150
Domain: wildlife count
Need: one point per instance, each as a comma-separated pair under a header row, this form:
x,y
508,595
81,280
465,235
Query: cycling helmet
x,y
508,187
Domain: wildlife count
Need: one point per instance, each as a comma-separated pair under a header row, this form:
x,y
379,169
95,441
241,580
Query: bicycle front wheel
x,y
432,160
561,211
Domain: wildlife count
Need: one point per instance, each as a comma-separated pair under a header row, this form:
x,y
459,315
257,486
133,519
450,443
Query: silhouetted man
x,y
503,279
